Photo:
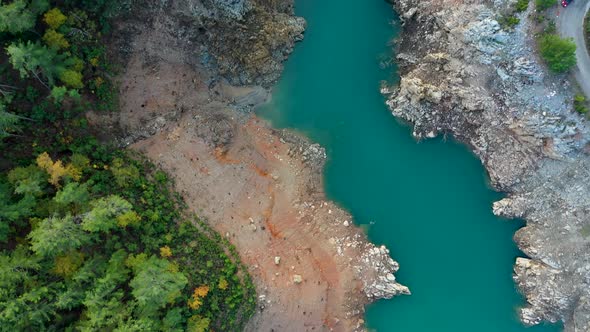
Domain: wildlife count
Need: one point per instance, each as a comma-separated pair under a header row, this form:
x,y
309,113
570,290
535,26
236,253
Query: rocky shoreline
x,y
193,70
463,74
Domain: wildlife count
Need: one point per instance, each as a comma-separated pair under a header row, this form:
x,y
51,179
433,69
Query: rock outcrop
x,y
463,74
246,41
243,41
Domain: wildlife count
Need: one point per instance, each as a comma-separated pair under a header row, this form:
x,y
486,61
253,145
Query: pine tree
x,y
104,299
73,193
156,284
15,17
35,59
104,214
8,122
54,236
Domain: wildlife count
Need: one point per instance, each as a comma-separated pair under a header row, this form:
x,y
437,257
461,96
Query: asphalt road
x,y
570,23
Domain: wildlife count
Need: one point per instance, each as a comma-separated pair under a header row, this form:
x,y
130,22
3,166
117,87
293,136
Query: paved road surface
x,y
570,23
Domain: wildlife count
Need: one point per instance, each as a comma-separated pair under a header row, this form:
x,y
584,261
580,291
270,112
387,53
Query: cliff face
x,y
462,74
243,41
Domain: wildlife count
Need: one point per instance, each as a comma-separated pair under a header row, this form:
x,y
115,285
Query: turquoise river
x,y
428,201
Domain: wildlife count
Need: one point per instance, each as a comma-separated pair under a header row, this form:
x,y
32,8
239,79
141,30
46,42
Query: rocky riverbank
x,y
192,72
463,74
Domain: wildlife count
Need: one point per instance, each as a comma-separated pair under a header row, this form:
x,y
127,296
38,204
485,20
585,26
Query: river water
x,y
427,201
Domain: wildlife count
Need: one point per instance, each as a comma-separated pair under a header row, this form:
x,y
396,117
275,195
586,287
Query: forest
x,y
92,236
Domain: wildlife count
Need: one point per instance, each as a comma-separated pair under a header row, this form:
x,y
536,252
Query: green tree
x,y
559,53
22,304
103,216
16,267
11,212
104,299
73,193
30,311
15,17
27,180
58,93
18,197
156,284
173,320
54,236
20,15
580,103
34,59
81,282
8,122
521,5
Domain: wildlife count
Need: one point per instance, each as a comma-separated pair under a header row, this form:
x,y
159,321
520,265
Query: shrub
x,y
521,5
559,53
551,28
539,18
544,4
509,22
580,103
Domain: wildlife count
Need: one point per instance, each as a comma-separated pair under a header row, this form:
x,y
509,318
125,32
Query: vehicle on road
x,y
565,3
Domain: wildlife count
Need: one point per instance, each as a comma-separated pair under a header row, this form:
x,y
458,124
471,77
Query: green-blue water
x,y
428,202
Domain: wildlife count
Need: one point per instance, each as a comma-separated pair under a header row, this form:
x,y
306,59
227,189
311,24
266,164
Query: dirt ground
x,y
313,269
255,194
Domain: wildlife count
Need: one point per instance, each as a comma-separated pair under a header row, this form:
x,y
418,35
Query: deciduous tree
x,y
560,53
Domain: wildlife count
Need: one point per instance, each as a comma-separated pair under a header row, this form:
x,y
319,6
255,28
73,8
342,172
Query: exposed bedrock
x,y
463,74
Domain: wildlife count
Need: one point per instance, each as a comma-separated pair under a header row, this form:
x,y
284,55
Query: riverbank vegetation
x,y
91,236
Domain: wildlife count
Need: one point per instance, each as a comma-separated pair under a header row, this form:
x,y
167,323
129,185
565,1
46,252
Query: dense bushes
x,y
559,53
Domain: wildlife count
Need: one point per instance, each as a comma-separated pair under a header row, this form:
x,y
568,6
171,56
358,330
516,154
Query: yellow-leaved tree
x,y
57,170
54,18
